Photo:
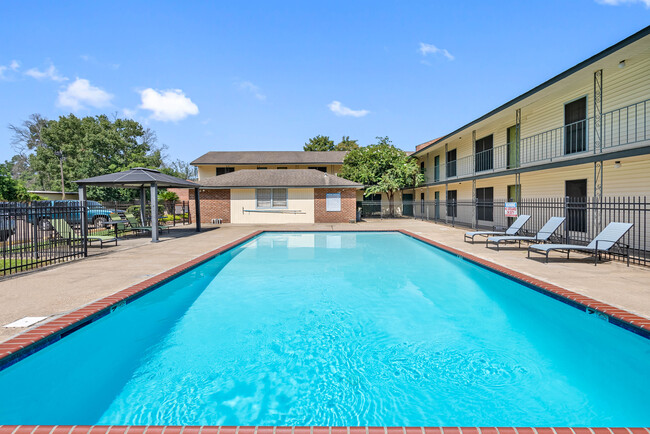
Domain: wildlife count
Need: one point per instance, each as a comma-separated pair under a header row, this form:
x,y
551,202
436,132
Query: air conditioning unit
x,y
217,221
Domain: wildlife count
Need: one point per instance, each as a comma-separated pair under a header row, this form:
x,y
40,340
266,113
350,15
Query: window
x,y
422,170
576,207
261,168
451,163
224,170
483,154
436,168
271,197
282,168
575,126
484,202
321,168
333,202
452,207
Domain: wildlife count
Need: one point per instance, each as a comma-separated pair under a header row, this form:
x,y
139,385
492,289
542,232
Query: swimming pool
x,y
337,329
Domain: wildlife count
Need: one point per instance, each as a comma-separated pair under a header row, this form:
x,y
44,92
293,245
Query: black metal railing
x,y
41,233
585,217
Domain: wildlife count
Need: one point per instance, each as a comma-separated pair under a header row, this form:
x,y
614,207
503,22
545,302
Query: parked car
x,y
45,210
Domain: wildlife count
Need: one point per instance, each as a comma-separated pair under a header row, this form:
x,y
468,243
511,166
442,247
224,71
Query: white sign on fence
x,y
511,209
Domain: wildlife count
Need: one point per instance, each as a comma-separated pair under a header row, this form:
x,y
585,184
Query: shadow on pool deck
x,y
53,291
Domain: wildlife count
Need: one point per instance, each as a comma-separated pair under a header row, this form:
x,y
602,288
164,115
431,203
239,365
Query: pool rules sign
x,y
511,209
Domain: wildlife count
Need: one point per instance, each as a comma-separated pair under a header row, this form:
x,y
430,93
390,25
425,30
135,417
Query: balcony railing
x,y
621,127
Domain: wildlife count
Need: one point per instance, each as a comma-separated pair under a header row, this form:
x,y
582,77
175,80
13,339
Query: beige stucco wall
x,y
206,171
300,199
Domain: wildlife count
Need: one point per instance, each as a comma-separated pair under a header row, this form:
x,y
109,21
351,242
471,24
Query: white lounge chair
x,y
512,230
603,243
542,236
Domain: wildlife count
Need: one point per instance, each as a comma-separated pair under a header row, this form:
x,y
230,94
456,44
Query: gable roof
x,y
277,178
270,157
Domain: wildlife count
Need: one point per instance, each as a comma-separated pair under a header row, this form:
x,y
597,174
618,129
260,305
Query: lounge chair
x,y
603,243
121,227
65,231
512,230
135,225
542,236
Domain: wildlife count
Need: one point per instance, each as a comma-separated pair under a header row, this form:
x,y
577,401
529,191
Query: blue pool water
x,y
337,329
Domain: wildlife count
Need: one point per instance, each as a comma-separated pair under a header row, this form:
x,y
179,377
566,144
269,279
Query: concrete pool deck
x,y
52,292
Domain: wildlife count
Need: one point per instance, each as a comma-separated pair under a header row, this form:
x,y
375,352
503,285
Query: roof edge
x,y
596,57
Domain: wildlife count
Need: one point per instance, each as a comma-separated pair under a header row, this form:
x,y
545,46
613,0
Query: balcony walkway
x,y
53,291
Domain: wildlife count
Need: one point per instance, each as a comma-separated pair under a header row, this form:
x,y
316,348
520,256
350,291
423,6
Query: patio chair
x,y
65,231
135,225
121,227
602,243
543,235
512,230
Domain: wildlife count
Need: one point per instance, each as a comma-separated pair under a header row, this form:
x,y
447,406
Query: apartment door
x,y
513,148
575,126
514,195
422,203
576,197
407,204
436,168
483,154
437,205
452,205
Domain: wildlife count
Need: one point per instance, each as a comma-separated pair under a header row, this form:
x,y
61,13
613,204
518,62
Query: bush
x,y
135,210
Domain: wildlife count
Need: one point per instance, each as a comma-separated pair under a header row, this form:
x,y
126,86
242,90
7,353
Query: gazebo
x,y
140,178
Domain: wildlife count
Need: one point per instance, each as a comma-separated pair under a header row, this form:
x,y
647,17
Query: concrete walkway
x,y
54,291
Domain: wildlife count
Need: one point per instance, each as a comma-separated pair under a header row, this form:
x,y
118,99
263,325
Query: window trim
x,y
272,199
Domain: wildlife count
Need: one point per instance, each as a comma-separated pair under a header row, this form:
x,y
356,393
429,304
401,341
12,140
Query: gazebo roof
x,y
136,178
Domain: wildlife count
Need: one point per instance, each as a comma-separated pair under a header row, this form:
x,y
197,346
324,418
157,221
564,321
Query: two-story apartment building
x,y
583,133
264,187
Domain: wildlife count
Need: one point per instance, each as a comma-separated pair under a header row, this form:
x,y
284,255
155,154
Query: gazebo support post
x,y
84,218
143,204
154,212
197,203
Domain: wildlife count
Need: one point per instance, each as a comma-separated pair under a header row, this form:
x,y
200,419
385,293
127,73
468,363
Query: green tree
x,y
383,168
11,189
346,144
61,151
319,143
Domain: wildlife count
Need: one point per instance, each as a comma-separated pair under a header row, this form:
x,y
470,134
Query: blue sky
x,y
267,76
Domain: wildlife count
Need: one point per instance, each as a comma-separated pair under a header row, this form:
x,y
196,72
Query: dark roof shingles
x,y
277,178
271,157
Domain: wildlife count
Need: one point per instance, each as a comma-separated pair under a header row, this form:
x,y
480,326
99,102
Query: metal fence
x,y
41,233
585,217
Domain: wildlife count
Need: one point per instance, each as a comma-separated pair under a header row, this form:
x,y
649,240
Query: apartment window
x,y
436,168
483,153
422,169
271,197
261,168
451,163
224,170
452,206
321,168
282,168
484,203
333,202
575,126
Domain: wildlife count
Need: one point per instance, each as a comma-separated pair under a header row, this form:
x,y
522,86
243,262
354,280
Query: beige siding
x,y
206,171
242,202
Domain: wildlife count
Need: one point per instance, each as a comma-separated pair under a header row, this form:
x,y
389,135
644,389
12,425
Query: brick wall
x,y
348,206
214,204
183,193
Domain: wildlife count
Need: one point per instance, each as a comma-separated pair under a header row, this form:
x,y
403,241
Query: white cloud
x,y
426,49
621,2
128,113
13,66
50,73
167,105
250,87
340,110
80,93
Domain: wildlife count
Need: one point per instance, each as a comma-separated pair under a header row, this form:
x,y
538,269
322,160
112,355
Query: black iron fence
x,y
585,217
41,233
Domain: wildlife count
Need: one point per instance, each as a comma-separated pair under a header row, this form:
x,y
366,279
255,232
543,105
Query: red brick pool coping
x,y
151,429
34,339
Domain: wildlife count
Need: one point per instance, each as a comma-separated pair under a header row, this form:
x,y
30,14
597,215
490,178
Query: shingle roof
x,y
137,177
277,178
271,157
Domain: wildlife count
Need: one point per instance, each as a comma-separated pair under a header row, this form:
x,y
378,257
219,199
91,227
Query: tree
x,y
383,168
319,143
183,170
61,151
11,189
346,144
